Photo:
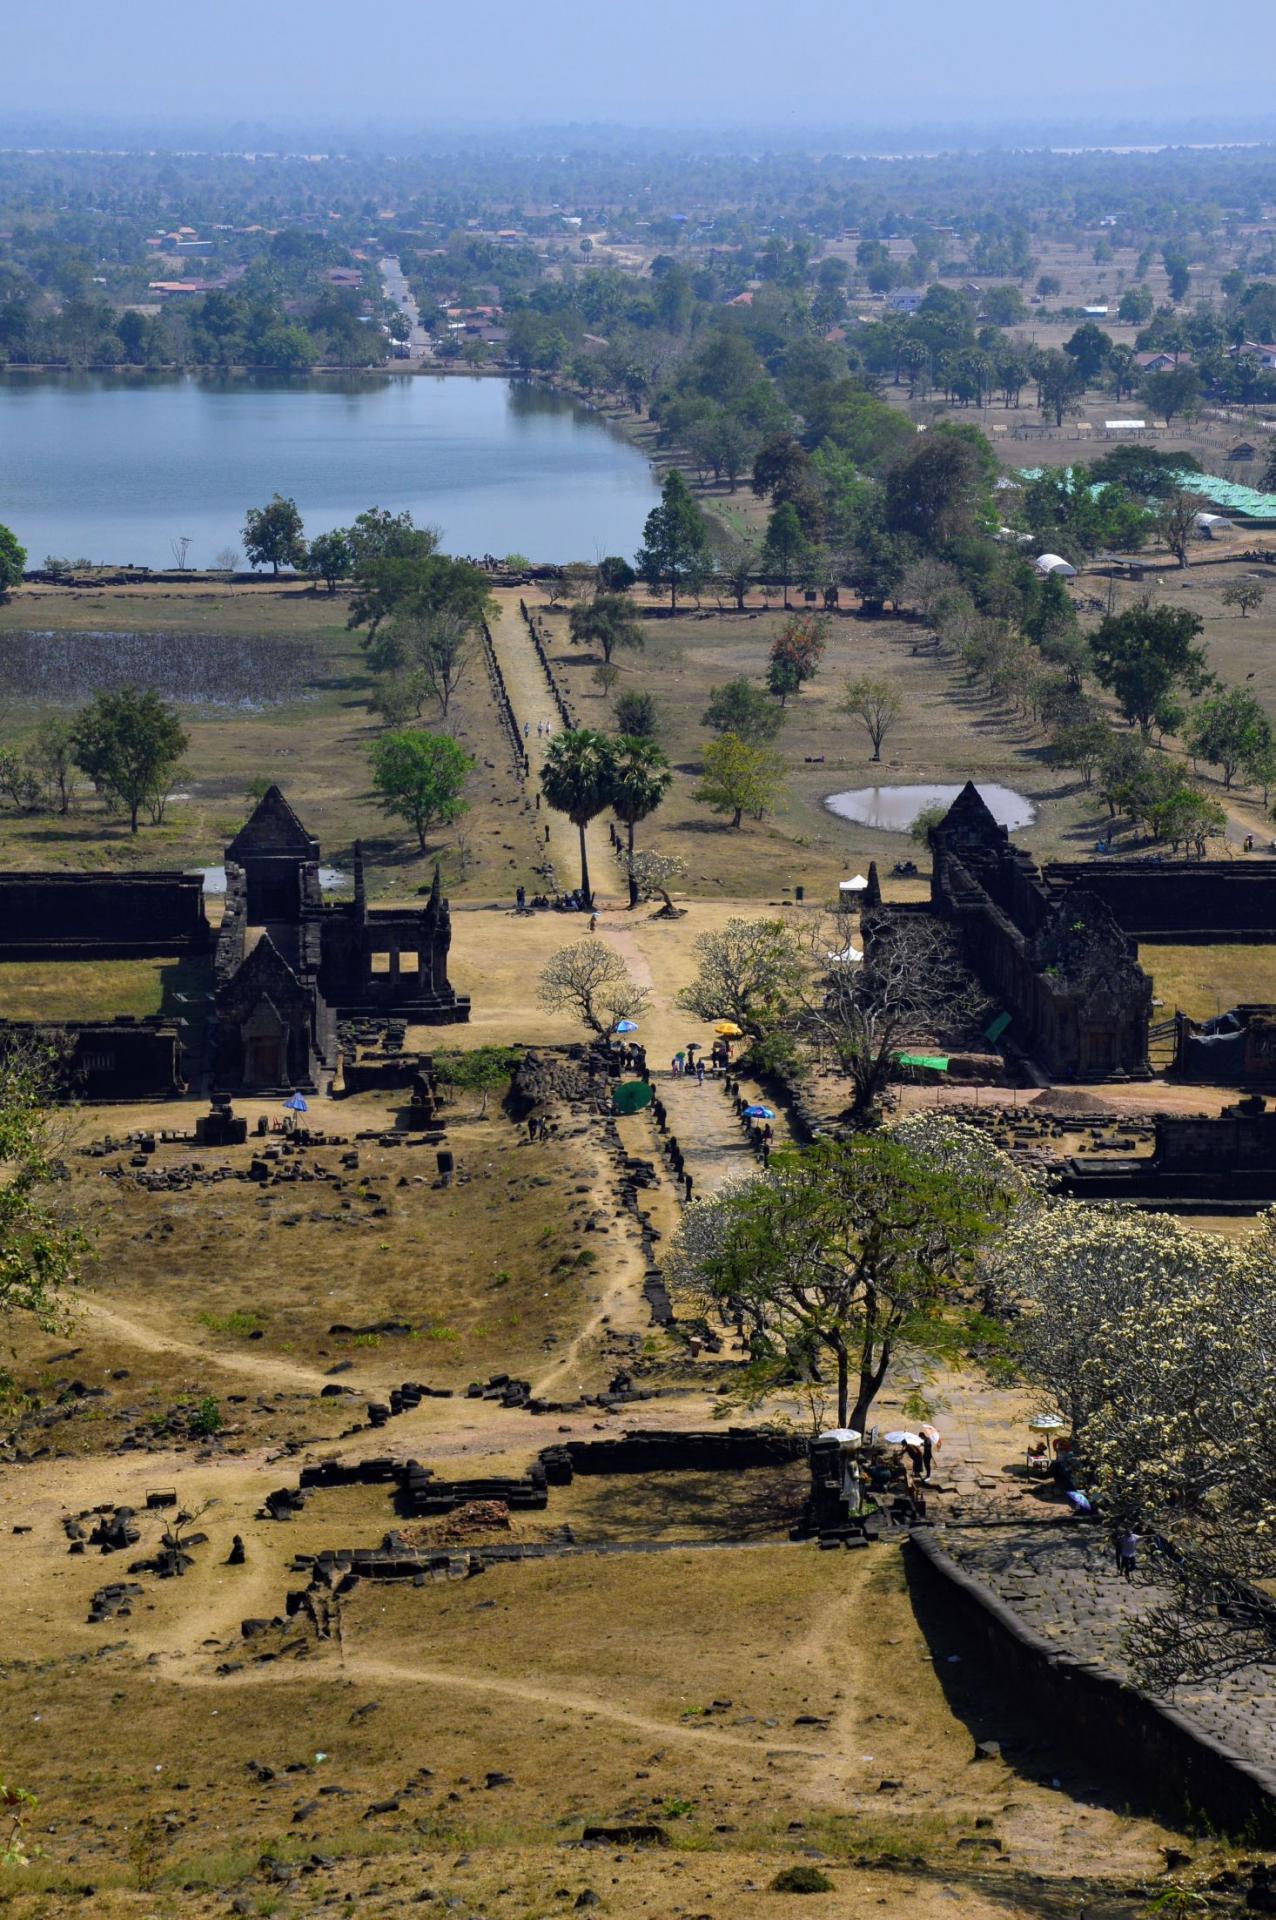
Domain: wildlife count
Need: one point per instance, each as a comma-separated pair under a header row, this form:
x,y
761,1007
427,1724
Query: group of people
x,y
1062,1469
687,1060
898,1482
544,728
573,902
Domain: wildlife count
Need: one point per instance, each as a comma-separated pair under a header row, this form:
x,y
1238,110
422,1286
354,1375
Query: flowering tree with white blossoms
x,y
1157,1345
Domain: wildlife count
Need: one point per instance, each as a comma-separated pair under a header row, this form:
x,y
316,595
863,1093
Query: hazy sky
x,y
835,64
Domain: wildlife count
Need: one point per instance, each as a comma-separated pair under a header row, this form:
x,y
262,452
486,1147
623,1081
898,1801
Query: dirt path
x,y
533,705
621,1307
358,1667
267,1369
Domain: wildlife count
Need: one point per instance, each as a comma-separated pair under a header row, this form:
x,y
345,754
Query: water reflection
x,y
894,809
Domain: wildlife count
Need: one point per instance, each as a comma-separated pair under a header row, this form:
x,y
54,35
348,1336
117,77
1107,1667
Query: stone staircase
x,y
714,1140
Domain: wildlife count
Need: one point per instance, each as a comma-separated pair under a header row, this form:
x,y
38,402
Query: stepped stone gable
x,y
268,1027
286,964
1058,961
276,1017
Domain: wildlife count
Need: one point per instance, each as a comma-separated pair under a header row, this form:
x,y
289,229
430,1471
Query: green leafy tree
x,y
481,1070
1185,816
420,777
675,540
615,575
637,714
273,535
739,777
418,586
1089,348
40,1245
640,781
578,779
845,1254
13,560
1175,391
781,468
924,822
1177,273
378,534
1230,730
428,651
741,708
329,558
1145,654
53,755
1080,743
1136,306
1060,383
1004,306
738,566
129,744
785,548
878,565
607,622
939,490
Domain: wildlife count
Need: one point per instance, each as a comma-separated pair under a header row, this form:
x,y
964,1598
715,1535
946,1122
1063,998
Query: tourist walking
x,y
1126,1545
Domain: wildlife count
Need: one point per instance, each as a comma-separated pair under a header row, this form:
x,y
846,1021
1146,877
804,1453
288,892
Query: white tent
x,y
856,884
1212,523
1055,563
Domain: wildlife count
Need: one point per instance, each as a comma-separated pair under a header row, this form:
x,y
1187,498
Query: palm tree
x,y
577,776
639,784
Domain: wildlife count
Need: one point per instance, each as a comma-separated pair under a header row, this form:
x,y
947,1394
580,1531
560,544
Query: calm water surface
x,y
894,809
113,467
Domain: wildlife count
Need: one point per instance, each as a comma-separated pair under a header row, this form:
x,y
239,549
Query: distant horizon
x,y
731,66
68,130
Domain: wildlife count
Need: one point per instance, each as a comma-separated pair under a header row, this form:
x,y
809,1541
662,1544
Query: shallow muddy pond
x,y
894,809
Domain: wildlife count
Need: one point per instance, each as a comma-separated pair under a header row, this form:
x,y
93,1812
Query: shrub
x,y
801,1880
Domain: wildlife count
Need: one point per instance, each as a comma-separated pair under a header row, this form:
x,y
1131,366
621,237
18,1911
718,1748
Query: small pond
x,y
331,879
894,809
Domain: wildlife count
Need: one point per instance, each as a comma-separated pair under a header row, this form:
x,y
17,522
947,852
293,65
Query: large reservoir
x,y
116,467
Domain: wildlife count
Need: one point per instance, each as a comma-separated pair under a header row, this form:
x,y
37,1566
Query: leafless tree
x,y
180,547
1176,522
437,647
878,704
910,987
590,980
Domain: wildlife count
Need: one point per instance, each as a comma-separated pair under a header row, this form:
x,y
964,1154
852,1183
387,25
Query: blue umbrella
x,y
760,1113
626,1026
297,1104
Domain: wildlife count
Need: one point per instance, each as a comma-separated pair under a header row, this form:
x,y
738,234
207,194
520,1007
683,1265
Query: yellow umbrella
x,y
729,1030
